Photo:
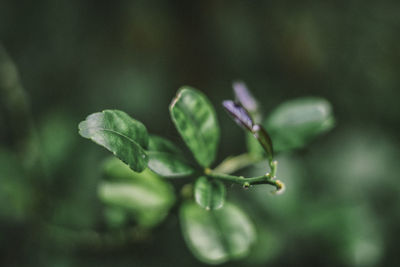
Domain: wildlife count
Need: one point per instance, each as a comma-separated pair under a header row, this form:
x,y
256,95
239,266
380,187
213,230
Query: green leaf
x,y
195,119
158,143
219,235
209,194
295,123
168,165
144,195
166,159
265,141
120,134
254,147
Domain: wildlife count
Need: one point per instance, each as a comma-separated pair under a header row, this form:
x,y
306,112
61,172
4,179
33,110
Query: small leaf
x,y
145,196
209,194
295,123
217,236
120,134
239,114
244,96
265,141
166,159
254,147
195,120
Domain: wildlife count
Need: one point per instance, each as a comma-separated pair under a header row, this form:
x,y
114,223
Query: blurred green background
x,y
78,57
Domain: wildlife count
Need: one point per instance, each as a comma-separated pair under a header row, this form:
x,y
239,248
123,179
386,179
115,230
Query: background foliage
x,y
78,57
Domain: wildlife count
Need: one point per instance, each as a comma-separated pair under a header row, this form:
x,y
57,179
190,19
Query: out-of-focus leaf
x,y
209,193
144,195
295,123
246,99
17,199
120,134
239,114
166,159
116,217
57,138
219,235
265,141
196,121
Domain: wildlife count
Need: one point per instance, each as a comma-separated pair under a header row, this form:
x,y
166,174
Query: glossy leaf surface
x,y
196,121
239,114
219,235
209,193
295,123
166,159
145,196
124,136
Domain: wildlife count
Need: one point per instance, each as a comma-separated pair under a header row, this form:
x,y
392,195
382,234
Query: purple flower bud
x,y
239,114
244,96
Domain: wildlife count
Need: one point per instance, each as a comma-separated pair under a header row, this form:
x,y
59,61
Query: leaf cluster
x,y
214,229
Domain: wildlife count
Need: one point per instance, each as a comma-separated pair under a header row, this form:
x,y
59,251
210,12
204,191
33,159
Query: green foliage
x,y
209,194
214,230
115,130
219,235
166,159
295,123
144,196
196,121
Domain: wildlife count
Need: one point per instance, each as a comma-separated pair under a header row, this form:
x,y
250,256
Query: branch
x,y
246,182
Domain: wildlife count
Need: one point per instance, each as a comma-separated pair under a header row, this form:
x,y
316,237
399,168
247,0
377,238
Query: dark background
x,y
78,57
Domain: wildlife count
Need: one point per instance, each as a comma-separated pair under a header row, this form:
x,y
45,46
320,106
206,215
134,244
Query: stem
x,y
246,182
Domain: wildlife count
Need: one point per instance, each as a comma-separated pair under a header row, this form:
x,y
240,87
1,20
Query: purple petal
x,y
239,114
244,96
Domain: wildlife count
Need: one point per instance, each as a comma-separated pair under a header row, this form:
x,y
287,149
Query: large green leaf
x,y
195,119
219,235
119,133
209,193
295,123
143,195
166,159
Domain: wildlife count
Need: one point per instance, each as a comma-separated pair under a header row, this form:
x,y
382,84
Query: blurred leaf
x,y
119,133
196,121
209,193
239,114
295,123
57,138
268,246
145,195
166,159
219,235
265,141
17,197
115,216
